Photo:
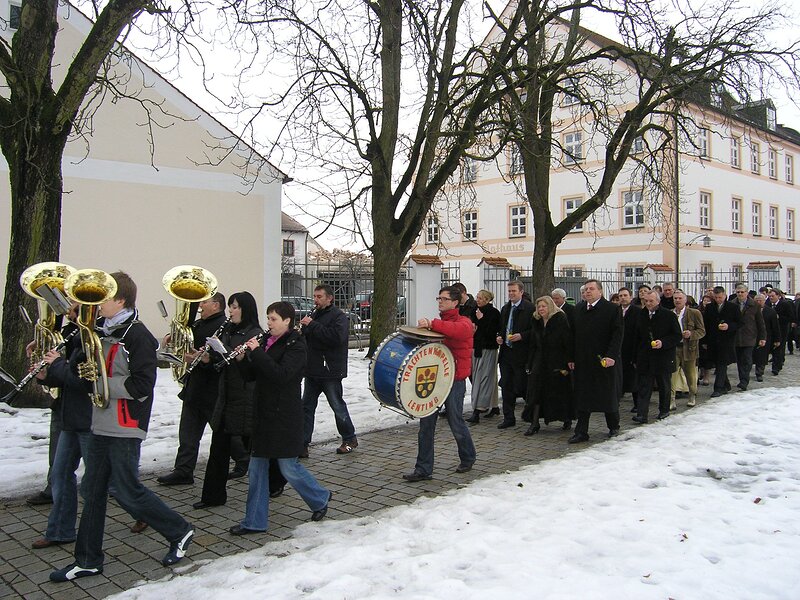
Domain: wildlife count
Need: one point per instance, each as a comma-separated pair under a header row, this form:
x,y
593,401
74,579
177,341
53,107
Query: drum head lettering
x,y
425,379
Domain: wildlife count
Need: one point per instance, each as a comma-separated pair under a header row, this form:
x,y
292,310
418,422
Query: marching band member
x,y
277,365
458,331
199,394
112,456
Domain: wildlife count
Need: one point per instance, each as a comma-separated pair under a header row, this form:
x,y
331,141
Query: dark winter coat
x,y
549,383
517,354
598,333
663,326
786,316
629,349
73,402
326,338
752,329
720,344
485,336
203,384
233,412
458,337
278,373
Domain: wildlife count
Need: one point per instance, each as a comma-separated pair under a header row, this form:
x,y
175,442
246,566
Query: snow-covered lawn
x,y
704,505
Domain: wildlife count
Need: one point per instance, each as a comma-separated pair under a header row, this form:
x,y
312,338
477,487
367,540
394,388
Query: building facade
x,y
737,203
145,198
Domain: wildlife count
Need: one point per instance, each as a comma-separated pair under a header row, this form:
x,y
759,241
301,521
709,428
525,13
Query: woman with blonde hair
x,y
484,357
549,384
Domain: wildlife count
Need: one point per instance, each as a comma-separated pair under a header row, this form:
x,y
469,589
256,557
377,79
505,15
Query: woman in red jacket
x,y
458,337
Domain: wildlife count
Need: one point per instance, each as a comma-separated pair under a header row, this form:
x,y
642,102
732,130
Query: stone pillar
x,y
426,279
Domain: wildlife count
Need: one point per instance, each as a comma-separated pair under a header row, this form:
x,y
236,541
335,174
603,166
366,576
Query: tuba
x,y
45,335
189,285
90,288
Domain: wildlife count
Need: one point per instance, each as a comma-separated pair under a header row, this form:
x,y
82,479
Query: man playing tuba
x,y
129,352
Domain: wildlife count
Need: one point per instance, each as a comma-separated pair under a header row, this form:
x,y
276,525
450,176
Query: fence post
x,y
426,279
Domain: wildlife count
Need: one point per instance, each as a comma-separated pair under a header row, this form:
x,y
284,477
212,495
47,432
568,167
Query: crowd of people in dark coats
x,y
566,361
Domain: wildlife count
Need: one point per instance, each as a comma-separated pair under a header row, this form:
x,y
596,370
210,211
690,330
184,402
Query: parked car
x,y
302,305
362,306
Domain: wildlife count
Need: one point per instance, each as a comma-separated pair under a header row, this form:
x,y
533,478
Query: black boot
x,y
475,418
534,428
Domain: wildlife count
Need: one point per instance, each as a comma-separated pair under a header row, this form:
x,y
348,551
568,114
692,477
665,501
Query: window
x,y
736,272
706,274
772,162
633,276
789,168
773,221
772,119
469,170
705,210
755,158
736,145
790,224
790,282
572,271
704,143
432,230
288,247
515,160
570,206
632,209
14,14
736,215
638,145
570,99
573,147
756,218
469,222
519,221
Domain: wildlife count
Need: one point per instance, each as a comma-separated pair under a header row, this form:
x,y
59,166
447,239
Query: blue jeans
x,y
72,445
115,461
332,388
454,405
257,512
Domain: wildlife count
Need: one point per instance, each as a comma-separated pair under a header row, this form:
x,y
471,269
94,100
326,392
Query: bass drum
x,y
410,375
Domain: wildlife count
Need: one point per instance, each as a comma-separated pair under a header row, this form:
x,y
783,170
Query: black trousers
x,y
721,381
582,426
744,363
513,385
215,481
646,380
194,418
779,356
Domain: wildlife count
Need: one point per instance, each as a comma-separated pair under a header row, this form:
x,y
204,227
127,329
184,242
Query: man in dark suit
x,y
559,297
657,335
786,318
722,320
773,336
514,340
752,333
629,313
597,343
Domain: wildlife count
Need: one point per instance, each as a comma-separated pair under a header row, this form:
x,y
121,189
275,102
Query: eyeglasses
x,y
445,299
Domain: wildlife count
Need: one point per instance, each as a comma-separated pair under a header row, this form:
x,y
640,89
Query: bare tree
x,y
383,99
632,102
36,121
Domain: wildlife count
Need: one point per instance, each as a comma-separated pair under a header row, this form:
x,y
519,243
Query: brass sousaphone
x,y
189,285
90,288
45,334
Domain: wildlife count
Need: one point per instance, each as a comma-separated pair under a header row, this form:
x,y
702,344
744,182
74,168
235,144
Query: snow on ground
x,y
25,435
703,505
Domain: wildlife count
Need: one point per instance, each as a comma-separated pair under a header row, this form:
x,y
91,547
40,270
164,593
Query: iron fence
x,y
353,284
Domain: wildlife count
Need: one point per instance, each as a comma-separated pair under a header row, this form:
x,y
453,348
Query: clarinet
x,y
241,349
38,368
300,326
182,380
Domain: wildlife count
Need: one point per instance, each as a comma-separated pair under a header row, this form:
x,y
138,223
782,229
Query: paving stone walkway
x,y
363,482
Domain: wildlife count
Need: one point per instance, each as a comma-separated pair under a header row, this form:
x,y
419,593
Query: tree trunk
x,y
388,259
543,263
36,185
